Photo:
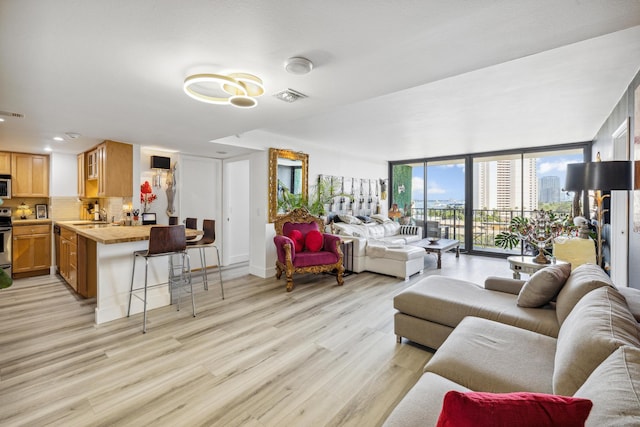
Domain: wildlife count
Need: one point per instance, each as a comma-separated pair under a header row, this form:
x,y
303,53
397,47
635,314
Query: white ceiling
x,y
392,80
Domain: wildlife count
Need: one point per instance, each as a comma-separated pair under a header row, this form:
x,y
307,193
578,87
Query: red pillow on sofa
x,y
298,239
479,409
314,241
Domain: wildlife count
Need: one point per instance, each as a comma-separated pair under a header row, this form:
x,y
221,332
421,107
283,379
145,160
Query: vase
x,y
541,258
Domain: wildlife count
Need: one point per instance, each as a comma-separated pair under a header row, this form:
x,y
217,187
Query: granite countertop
x,y
112,233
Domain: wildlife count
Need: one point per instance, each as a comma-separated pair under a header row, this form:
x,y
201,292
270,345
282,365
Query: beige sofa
x,y
585,343
382,248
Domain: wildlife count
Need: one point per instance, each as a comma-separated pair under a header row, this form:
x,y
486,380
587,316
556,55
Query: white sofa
x,y
382,247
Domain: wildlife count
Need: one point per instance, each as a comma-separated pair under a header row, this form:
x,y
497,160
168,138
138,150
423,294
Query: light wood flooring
x,y
322,355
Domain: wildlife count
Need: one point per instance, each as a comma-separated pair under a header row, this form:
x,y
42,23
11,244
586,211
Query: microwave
x,y
5,186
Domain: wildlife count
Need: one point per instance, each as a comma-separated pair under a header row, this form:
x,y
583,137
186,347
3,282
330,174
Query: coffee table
x,y
525,264
438,247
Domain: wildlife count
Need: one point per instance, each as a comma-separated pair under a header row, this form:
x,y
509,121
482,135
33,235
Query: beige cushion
x,y
447,301
614,389
484,355
582,280
422,404
543,285
599,324
575,251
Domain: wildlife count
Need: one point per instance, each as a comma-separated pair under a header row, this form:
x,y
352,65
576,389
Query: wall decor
x,y
41,211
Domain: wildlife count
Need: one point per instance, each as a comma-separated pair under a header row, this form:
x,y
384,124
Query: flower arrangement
x,y
146,195
538,230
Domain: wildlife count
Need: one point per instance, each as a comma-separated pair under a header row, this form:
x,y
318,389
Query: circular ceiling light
x,y
298,65
191,87
252,84
242,101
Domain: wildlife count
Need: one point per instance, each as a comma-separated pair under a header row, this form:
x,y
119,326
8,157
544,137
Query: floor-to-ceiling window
x,y
474,197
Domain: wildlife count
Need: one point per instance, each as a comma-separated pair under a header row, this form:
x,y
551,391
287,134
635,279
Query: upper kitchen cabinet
x,y
111,166
5,163
82,192
30,173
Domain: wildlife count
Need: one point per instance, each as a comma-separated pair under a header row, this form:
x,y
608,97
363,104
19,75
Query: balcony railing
x,y
450,223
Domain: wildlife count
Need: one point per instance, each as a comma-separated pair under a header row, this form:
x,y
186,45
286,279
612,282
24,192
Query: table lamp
x,y
24,210
575,181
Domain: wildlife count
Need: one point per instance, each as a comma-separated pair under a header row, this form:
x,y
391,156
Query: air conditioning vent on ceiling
x,y
9,114
289,95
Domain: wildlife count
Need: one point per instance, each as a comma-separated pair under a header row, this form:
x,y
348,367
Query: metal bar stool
x,y
207,241
164,241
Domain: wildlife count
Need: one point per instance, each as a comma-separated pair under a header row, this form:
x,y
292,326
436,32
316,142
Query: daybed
x,y
381,247
582,340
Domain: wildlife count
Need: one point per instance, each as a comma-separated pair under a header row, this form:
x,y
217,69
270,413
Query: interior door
x,y
236,211
620,213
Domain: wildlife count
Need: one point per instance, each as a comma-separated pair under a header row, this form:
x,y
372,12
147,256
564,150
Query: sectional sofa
x,y
561,333
381,247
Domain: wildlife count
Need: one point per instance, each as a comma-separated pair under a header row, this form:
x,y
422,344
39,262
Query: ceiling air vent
x,y
289,95
9,114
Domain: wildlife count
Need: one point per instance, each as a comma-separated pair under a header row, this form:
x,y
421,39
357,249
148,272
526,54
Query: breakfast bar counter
x,y
105,261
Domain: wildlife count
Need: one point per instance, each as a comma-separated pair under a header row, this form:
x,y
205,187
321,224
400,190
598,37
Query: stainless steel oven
x,y
5,186
5,239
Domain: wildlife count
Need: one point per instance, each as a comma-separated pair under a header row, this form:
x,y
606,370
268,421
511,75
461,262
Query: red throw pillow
x,y
314,241
479,409
298,239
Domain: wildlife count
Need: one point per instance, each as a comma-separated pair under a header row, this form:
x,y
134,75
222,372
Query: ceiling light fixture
x,y
237,89
58,138
289,95
298,65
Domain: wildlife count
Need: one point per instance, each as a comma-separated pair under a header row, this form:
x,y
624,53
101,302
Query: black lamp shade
x,y
575,180
607,176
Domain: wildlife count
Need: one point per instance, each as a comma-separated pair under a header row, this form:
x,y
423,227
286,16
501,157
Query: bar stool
x,y
207,241
192,224
164,241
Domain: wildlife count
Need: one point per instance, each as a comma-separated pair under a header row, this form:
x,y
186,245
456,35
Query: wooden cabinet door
x,y
41,251
5,163
101,160
81,176
22,254
30,174
31,249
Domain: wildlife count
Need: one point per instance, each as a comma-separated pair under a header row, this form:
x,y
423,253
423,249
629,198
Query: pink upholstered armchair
x,y
302,247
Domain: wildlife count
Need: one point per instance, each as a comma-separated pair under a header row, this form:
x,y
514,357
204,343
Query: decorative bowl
x,y
433,240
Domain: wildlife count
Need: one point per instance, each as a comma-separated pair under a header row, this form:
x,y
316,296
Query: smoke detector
x,y
298,65
289,95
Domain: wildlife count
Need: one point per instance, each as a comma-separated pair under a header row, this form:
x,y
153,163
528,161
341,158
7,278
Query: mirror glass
x,y
287,181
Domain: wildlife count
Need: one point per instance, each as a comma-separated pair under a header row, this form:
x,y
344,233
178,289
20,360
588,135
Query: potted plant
x,y
538,230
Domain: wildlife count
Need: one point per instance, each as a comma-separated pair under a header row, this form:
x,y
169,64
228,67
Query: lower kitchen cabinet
x,y
31,249
69,257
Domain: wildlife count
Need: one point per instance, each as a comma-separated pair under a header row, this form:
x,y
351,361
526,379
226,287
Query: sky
x,y
446,182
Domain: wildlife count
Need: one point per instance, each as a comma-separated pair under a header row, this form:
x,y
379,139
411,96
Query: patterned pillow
x,y
409,229
349,219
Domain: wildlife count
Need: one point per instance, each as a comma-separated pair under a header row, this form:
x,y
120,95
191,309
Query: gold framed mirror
x,y
288,181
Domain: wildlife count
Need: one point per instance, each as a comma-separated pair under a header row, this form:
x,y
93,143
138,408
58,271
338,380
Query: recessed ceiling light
x,y
289,95
58,138
47,148
298,65
1,120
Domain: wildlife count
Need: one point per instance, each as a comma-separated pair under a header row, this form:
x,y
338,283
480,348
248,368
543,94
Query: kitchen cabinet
x,y
81,175
5,163
92,164
31,249
112,164
86,267
30,173
69,257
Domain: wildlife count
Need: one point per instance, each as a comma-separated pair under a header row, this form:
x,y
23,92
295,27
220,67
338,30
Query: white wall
x,y
63,175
